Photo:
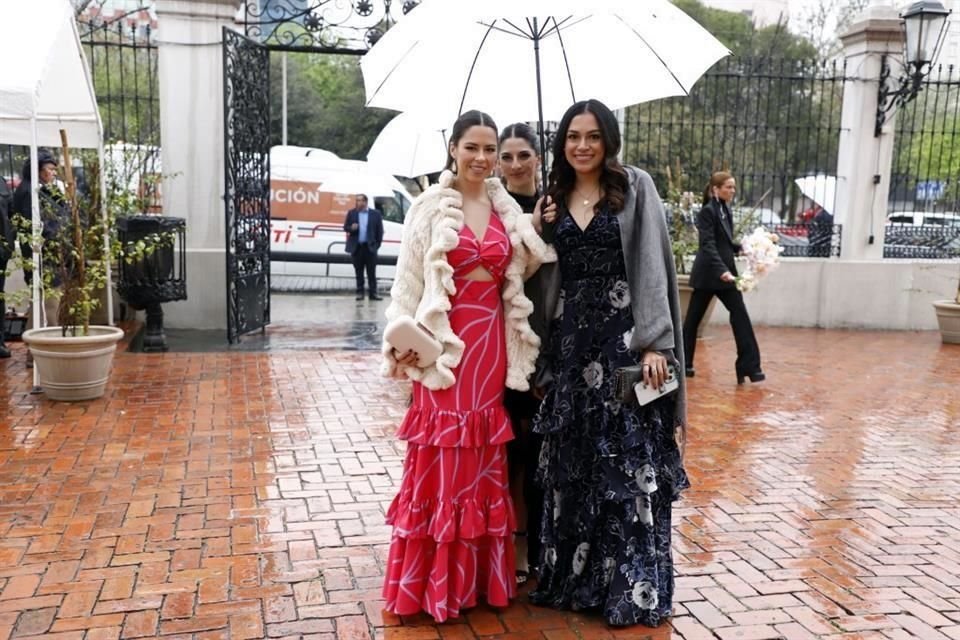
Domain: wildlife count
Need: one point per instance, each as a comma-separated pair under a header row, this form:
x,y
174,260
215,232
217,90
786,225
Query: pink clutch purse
x,y
405,334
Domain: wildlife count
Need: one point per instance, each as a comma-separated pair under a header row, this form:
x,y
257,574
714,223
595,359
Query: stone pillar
x,y
191,130
864,160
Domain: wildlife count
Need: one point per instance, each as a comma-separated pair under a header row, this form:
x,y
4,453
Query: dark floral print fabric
x,y
610,472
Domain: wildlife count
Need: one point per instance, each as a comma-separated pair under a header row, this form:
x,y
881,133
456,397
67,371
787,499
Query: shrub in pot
x,y
78,243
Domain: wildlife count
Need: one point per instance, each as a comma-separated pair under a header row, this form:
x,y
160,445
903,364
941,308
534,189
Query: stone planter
x,y
73,368
948,316
683,282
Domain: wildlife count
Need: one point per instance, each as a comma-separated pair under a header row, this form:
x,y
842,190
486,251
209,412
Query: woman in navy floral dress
x,y
610,471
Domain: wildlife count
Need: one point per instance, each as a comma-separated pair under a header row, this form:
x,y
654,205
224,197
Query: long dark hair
x,y
523,131
472,118
717,179
613,177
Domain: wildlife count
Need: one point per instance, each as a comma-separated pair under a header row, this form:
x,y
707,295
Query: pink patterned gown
x,y
453,517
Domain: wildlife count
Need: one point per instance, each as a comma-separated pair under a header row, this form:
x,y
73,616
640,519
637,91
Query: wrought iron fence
x,y
123,62
928,242
925,180
321,26
769,123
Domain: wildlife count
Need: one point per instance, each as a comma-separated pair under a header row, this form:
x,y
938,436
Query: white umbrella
x,y
532,59
409,146
820,188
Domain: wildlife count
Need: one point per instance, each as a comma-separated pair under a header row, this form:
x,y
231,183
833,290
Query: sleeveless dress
x,y
609,472
453,518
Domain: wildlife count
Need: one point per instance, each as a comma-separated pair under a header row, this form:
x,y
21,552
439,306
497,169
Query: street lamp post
x,y
924,24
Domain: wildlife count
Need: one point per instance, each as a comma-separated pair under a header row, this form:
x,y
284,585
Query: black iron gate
x,y
246,144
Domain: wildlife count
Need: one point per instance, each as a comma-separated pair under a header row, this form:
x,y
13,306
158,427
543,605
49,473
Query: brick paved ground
x,y
242,495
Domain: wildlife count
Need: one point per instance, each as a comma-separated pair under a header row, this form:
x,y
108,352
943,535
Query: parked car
x,y
925,218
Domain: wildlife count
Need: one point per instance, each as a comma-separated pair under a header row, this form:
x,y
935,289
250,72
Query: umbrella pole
x,y
548,229
540,129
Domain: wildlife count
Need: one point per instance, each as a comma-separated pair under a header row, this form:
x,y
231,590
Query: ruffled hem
x,y
443,579
445,428
446,521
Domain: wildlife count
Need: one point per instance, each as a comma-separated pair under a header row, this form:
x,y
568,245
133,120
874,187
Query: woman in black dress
x,y
714,273
610,470
519,166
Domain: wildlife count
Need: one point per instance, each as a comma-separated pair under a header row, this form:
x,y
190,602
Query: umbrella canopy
x,y
822,189
409,146
507,57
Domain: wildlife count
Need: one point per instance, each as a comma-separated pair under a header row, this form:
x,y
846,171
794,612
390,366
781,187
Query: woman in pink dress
x,y
466,248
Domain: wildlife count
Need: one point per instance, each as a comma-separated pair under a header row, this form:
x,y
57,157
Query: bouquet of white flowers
x,y
762,251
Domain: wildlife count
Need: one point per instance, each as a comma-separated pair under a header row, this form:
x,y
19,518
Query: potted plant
x,y
948,317
78,243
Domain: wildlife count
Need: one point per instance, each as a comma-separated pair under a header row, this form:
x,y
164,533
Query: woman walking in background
x,y
714,273
610,469
520,166
465,249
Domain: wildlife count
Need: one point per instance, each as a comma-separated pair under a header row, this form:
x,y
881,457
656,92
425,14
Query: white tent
x,y
45,78
45,87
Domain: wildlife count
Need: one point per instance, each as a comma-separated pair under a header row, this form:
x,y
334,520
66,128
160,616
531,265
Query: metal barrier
x,y
921,242
328,258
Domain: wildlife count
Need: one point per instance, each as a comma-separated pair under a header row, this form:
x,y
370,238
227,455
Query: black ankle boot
x,y
756,376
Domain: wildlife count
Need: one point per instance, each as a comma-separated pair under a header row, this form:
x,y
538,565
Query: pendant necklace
x,y
586,201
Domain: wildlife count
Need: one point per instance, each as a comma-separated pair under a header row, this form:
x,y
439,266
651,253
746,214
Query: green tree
x,y
929,154
123,65
763,113
325,104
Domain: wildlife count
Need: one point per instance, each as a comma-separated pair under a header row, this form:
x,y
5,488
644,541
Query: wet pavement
x,y
215,495
300,322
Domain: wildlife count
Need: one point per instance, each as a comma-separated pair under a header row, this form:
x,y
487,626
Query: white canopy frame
x,y
49,89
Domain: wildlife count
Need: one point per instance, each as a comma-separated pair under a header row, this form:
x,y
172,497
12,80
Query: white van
x,y
311,191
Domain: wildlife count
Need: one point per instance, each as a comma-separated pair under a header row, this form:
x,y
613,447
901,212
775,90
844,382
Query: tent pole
x,y
106,230
36,301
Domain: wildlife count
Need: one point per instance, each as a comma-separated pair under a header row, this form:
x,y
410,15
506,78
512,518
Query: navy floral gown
x,y
609,472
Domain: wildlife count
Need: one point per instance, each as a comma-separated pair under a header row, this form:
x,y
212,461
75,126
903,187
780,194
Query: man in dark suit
x,y
364,227
714,273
